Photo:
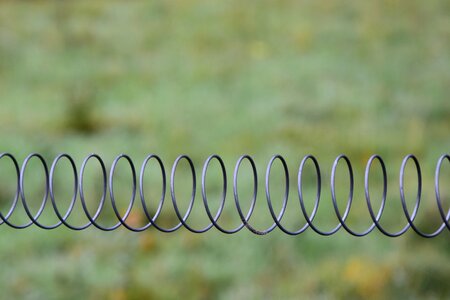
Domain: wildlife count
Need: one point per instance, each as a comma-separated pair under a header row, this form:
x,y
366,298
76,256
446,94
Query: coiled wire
x,y
108,185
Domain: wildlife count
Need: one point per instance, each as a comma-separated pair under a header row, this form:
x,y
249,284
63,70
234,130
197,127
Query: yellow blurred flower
x,y
366,278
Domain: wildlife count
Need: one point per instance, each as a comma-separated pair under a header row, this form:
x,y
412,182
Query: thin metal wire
x,y
138,183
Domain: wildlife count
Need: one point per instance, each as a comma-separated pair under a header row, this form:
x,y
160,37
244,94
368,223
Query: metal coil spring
x,y
78,187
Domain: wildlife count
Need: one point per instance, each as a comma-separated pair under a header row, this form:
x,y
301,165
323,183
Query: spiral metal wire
x,y
108,185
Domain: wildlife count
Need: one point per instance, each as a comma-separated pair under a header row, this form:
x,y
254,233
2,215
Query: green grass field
x,y
233,77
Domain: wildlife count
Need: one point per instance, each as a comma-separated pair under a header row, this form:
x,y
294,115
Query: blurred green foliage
x,y
231,77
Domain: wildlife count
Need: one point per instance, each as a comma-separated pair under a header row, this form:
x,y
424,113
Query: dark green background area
x,y
230,77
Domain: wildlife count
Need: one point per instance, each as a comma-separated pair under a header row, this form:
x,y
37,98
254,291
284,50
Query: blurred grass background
x,y
231,77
